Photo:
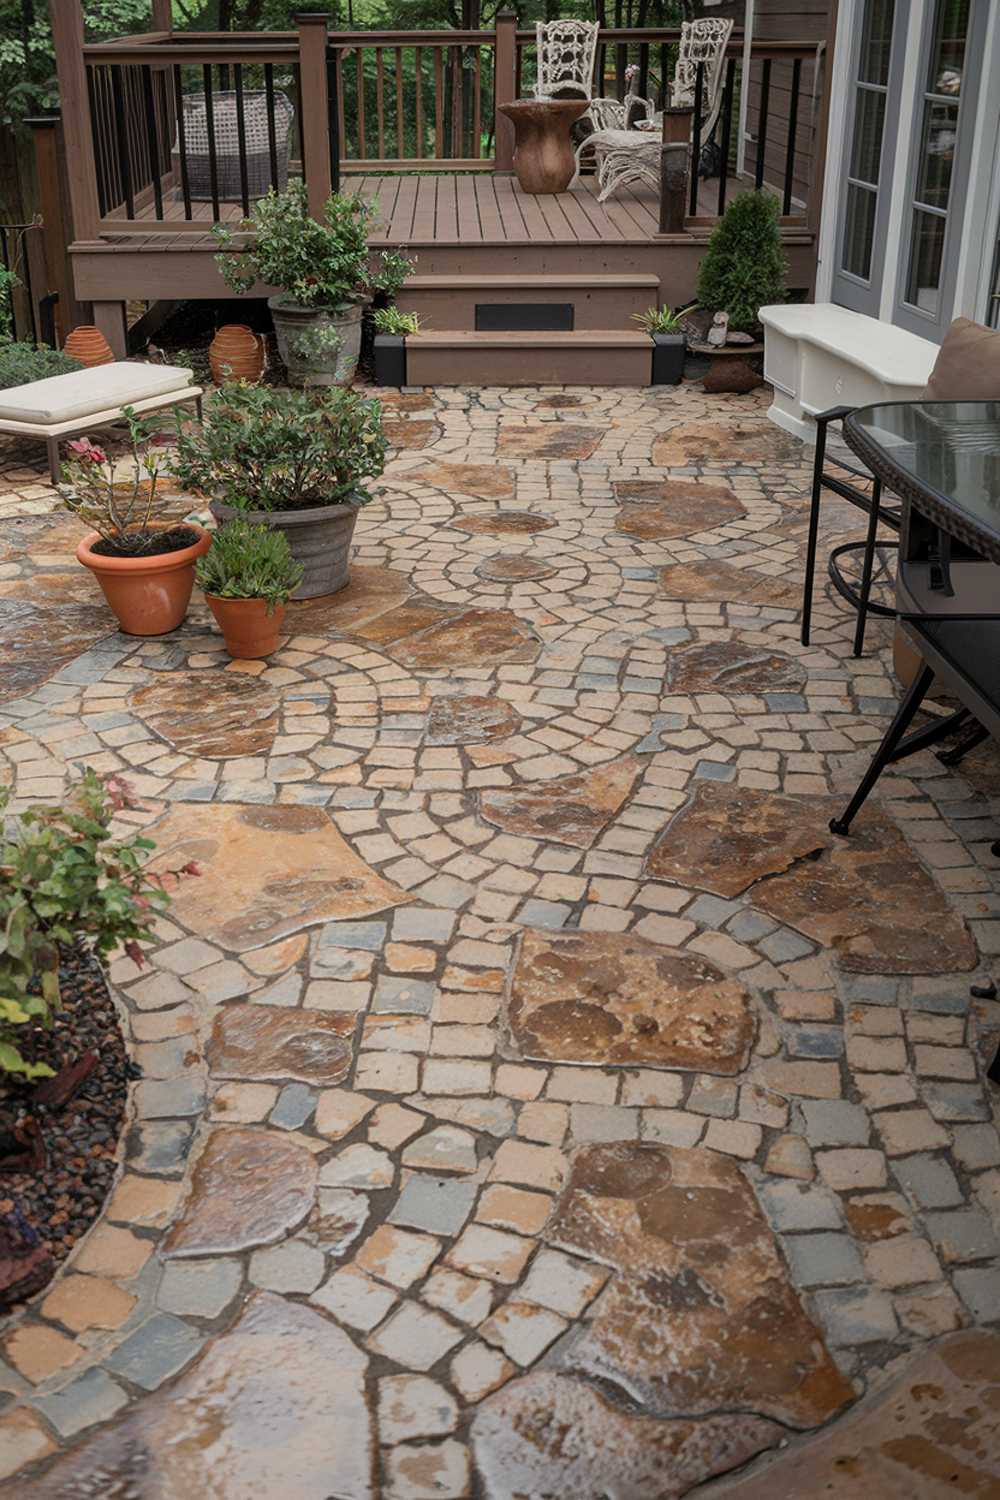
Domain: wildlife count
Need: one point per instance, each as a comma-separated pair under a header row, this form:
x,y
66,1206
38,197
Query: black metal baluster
x,y
333,117
153,137
272,137
241,138
28,291
696,140
182,140
121,136
793,119
213,165
765,91
297,72
727,128
643,89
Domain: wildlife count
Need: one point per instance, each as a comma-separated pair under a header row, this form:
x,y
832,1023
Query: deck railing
x,y
174,130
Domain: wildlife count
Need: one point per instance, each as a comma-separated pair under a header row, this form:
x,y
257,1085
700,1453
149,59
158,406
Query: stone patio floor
x,y
536,1099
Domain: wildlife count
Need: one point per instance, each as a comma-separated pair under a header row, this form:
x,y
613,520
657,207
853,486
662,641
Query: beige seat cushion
x,y
968,365
81,393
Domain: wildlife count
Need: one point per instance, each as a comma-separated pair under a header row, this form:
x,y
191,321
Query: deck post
x,y
315,110
675,162
81,169
505,88
109,317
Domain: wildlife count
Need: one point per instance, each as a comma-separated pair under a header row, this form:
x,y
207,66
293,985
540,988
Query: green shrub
x,y
21,363
393,269
249,562
391,320
744,266
262,448
65,881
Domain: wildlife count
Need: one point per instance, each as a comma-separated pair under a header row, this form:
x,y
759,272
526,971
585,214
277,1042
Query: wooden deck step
x,y
597,356
529,301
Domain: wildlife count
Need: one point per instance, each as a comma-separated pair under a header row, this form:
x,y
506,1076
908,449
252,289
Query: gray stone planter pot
x,y
318,538
318,346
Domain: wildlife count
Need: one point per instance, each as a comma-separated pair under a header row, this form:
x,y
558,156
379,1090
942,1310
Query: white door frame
x,y
838,82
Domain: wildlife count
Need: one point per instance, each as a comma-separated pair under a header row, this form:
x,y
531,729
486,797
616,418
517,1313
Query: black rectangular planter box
x,y
668,358
390,359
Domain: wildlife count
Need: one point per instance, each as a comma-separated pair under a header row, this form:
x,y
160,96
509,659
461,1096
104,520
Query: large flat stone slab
x,y
731,667
513,567
248,1187
752,442
218,715
35,643
266,872
402,432
405,620
548,440
549,1435
610,998
670,509
713,582
267,1041
932,1433
476,637
482,481
868,897
502,523
700,1316
569,809
275,1406
470,720
370,592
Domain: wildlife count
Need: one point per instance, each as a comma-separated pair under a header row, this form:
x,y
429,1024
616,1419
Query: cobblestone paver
x,y
468,1080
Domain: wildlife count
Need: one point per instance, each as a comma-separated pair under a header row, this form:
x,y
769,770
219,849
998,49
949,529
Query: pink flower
x,y
87,452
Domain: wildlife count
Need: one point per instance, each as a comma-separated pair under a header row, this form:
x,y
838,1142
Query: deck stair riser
x,y
597,300
595,357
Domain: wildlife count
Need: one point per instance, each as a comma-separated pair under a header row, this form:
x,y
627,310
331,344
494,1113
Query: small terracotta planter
x,y
249,630
149,595
89,346
236,353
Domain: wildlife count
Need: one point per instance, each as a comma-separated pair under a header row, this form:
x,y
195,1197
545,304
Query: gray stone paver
x,y
441,1152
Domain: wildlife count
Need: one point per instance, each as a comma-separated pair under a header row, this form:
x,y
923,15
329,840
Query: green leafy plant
x,y
744,266
66,880
249,562
317,263
261,448
121,510
317,345
390,276
391,320
21,363
8,281
659,320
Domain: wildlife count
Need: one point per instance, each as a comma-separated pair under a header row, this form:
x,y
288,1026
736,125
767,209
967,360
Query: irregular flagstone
x,y
569,809
700,1316
562,400
35,643
513,568
750,442
933,1432
981,769
406,401
266,1041
467,720
868,896
476,637
248,1187
548,440
398,623
402,432
695,508
609,998
275,1406
731,667
370,592
219,715
721,583
266,872
483,481
502,522
549,1435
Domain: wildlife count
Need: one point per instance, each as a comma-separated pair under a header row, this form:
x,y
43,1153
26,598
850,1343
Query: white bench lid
x,y
82,393
889,353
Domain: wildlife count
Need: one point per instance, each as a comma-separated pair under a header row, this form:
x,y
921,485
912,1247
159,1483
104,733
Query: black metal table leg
x,y
912,700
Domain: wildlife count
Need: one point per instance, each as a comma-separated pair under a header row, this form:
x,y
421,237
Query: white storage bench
x,y
818,355
63,406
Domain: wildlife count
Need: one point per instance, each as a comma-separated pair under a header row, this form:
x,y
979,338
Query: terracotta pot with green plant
x,y
322,270
296,461
248,575
144,563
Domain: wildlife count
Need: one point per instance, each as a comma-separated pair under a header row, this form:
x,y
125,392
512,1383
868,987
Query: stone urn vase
x,y
236,353
249,631
150,594
319,539
319,345
88,345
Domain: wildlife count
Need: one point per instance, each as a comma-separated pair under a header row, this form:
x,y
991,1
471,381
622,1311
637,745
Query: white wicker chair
x,y
566,52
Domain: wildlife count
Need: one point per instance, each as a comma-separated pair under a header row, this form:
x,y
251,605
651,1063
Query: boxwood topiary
x,y
744,266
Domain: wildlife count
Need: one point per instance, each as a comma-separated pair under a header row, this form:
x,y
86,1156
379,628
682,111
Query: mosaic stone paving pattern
x,y
533,1098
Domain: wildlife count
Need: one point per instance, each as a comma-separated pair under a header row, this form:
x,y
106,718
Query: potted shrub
x,y
669,343
391,329
744,267
145,566
248,575
292,460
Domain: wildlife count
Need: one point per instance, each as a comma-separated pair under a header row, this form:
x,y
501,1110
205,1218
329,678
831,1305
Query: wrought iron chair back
x,y
566,52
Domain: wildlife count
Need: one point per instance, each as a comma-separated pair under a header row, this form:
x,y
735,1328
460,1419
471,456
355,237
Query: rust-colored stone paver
x,y
473,638
266,1041
724,443
721,582
673,508
466,720
548,440
38,642
249,1187
569,809
483,481
225,715
513,568
729,667
503,523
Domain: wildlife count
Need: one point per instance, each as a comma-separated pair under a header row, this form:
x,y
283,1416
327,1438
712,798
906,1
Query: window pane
x,y
869,121
876,41
859,231
937,153
947,58
926,250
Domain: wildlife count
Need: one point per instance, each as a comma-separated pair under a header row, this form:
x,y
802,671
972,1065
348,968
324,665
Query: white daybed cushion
x,y
64,398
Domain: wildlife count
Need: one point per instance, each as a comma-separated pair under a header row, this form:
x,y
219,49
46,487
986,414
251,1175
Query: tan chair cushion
x,y
82,393
968,365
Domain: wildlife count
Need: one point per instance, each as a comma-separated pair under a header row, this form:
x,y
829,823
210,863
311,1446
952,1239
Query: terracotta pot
x,y
236,353
249,630
89,346
149,595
